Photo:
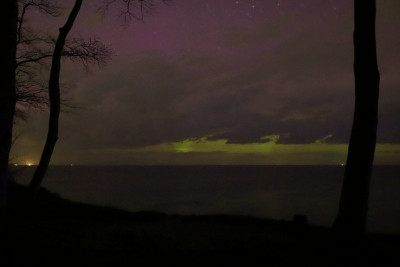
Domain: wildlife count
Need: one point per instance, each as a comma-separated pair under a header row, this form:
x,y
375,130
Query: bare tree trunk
x,y
54,97
352,215
8,23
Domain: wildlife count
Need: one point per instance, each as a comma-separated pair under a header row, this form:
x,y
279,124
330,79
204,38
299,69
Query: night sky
x,y
219,82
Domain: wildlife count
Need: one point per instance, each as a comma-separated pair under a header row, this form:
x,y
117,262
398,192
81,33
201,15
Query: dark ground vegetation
x,y
57,232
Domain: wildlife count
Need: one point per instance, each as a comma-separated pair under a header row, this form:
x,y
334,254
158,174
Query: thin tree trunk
x,y
8,24
54,96
352,216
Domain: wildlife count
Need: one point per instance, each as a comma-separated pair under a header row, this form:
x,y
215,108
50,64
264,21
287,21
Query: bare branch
x,y
36,49
33,58
32,92
132,9
87,52
44,6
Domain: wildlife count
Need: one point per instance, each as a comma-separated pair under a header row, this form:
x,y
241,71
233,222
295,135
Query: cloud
x,y
154,99
288,75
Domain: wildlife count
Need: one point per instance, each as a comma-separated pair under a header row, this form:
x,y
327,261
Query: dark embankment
x,y
57,232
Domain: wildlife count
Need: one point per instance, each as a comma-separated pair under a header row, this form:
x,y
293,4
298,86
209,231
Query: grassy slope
x,y
60,232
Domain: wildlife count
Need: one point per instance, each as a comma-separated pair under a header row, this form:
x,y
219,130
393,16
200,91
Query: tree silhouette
x,y
18,79
352,214
35,49
27,90
54,97
84,52
8,97
30,52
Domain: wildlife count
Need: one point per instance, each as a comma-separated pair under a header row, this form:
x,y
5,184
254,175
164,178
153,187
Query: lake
x,y
276,192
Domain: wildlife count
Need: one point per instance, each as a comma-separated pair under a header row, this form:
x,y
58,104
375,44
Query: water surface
x,y
276,192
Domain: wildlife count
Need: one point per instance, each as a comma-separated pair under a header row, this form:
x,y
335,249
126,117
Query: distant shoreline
x,y
195,165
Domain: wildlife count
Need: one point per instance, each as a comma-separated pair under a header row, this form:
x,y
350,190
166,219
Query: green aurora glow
x,y
219,152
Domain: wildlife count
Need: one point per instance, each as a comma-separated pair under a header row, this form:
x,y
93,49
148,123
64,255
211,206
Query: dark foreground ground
x,y
53,231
